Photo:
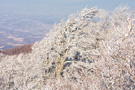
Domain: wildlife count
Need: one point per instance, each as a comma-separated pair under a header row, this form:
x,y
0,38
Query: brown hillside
x,y
15,51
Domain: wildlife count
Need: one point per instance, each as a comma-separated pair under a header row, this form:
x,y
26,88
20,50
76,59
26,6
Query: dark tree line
x,y
15,51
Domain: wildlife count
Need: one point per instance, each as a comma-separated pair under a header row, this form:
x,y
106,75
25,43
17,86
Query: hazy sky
x,y
57,6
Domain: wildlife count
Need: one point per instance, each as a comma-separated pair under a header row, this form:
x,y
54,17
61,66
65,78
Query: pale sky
x,y
56,7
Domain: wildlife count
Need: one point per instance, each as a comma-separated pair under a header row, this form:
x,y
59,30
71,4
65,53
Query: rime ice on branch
x,y
92,50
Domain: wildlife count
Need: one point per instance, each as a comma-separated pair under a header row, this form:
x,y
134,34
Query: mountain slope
x,y
93,49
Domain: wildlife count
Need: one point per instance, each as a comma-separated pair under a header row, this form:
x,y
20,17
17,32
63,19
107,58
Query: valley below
x,y
20,29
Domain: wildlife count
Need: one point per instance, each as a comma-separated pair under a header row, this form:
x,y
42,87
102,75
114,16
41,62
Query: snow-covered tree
x,y
94,49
